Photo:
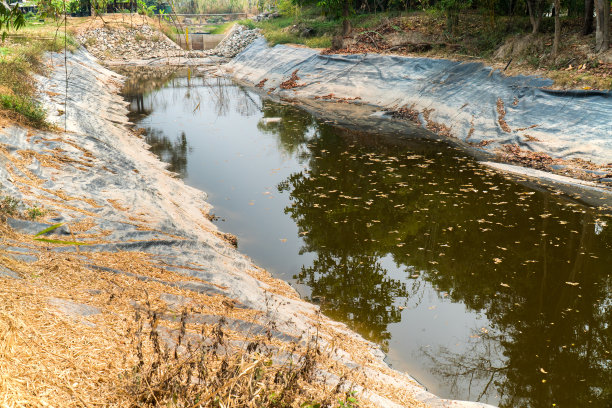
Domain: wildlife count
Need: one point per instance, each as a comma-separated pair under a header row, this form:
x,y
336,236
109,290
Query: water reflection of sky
x,y
480,287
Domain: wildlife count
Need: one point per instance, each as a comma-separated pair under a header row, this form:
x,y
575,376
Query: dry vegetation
x,y
131,348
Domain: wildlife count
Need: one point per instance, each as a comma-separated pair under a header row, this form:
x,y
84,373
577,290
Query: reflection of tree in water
x,y
548,313
192,92
172,152
224,93
293,129
356,290
246,105
141,82
479,360
532,264
535,266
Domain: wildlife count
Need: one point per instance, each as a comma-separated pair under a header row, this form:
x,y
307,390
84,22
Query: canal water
x,y
481,288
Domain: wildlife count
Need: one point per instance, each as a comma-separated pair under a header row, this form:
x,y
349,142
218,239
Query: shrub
x,y
33,113
8,205
185,369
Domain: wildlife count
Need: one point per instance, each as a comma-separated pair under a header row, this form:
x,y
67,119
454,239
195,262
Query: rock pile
x,y
267,15
236,41
138,43
146,43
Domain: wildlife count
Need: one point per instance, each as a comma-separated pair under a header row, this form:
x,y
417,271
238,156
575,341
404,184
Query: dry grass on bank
x,y
132,354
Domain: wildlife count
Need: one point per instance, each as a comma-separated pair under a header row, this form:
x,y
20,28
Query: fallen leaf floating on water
x,y
543,371
572,283
283,240
505,285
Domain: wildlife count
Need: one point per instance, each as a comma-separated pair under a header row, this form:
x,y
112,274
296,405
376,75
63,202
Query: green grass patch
x,y
289,30
248,23
319,42
221,28
26,107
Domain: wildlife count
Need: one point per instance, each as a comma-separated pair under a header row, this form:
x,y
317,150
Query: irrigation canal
x,y
478,286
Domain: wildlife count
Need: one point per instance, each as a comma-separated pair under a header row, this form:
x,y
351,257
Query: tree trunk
x,y
555,50
535,14
602,32
346,24
589,8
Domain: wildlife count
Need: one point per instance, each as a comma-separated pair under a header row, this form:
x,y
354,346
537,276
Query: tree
x,y
10,17
536,10
452,8
346,23
557,38
589,8
602,32
338,8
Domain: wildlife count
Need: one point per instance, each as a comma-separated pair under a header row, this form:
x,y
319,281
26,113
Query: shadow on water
x,y
488,289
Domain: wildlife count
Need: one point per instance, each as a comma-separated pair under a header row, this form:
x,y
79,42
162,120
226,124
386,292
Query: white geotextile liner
x,y
462,95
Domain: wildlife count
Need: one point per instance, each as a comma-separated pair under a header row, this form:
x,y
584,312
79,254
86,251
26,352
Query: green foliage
x,y
248,23
8,206
26,107
332,8
53,228
10,17
289,8
99,6
35,212
451,9
454,5
215,6
146,9
53,8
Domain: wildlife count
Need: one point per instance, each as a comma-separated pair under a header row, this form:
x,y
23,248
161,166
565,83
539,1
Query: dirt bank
x,y
136,239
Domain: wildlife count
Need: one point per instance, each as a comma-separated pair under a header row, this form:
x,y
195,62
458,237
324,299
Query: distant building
x,y
26,6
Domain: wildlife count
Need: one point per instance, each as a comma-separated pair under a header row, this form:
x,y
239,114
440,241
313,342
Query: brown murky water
x,y
482,288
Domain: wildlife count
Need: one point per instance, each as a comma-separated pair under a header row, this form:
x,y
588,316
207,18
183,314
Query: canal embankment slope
x,y
121,262
516,120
